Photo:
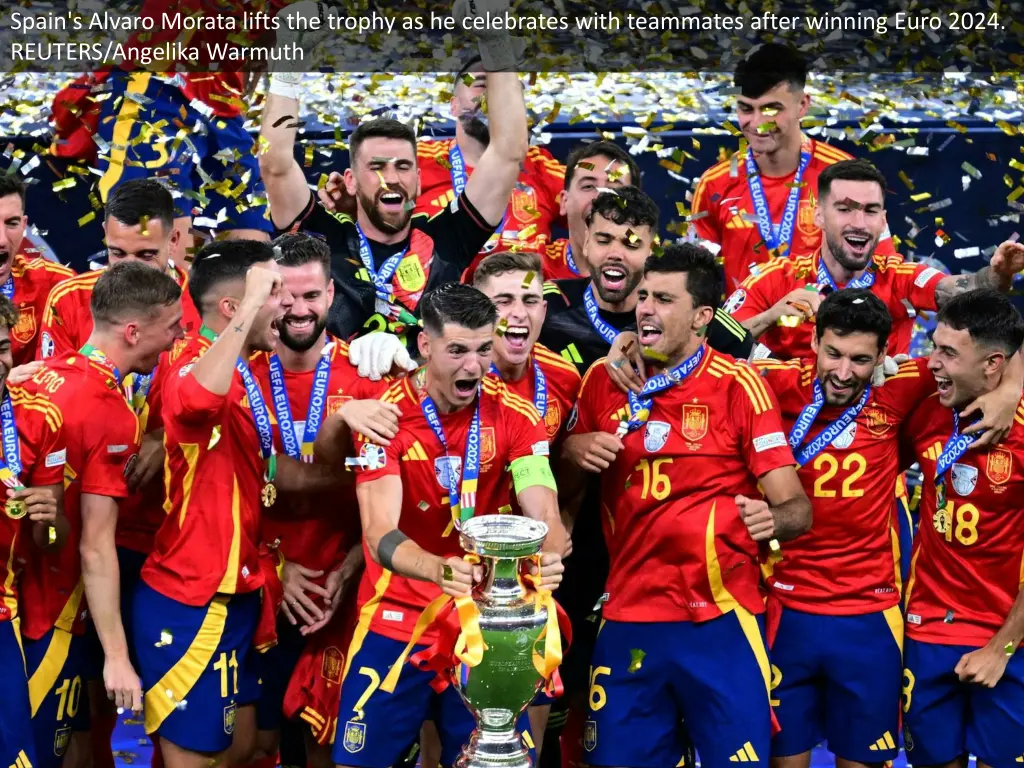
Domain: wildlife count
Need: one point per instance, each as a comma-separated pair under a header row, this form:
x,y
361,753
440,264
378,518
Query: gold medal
x,y
941,520
15,509
269,495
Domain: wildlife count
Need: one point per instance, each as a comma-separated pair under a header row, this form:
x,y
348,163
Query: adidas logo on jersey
x,y
740,220
745,754
883,743
415,453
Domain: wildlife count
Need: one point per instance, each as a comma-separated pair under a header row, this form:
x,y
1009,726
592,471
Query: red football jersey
x,y
101,434
555,261
213,475
965,572
510,428
531,211
848,563
678,549
140,515
42,452
896,282
34,278
563,384
315,531
724,211
67,322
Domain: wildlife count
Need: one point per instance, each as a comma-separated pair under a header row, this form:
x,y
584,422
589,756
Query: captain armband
x,y
387,545
528,471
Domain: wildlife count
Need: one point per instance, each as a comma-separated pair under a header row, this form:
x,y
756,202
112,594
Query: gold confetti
x,y
902,175
144,224
528,279
970,170
501,327
63,184
768,127
921,196
1017,165
636,659
165,638
90,216
505,510
650,354
51,535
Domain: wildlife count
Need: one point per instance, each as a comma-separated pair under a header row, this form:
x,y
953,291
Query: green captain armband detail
x,y
528,471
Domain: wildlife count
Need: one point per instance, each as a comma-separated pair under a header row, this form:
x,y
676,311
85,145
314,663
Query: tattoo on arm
x,y
387,545
954,285
239,328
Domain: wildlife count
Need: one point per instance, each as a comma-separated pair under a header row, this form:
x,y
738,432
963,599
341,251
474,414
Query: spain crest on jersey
x,y
590,735
488,448
524,203
229,719
330,668
553,418
354,738
695,421
805,216
61,739
656,435
965,478
999,465
334,403
877,420
25,329
445,464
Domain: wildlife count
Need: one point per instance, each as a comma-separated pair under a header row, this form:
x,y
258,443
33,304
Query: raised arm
x,y
287,192
1007,261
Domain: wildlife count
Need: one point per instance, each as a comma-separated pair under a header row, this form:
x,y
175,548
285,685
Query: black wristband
x,y
387,545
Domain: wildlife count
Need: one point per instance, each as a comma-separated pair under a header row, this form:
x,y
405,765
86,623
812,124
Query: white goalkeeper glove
x,y
889,367
376,354
499,51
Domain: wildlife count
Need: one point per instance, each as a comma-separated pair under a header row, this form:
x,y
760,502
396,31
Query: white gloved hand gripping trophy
x,y
499,51
283,82
376,354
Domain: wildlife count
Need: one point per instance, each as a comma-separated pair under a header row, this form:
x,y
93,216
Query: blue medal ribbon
x,y
260,412
640,405
8,288
382,278
314,413
590,305
570,260
136,389
955,447
464,506
764,219
826,437
11,443
825,279
540,387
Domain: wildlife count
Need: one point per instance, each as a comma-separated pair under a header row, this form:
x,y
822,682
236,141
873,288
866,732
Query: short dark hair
x,y
458,304
768,65
989,316
379,128
8,313
296,248
854,310
849,170
10,184
503,262
219,262
140,199
625,205
585,152
704,280
129,290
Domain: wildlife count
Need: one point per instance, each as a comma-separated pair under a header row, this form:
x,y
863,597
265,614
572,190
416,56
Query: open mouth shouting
x,y
944,387
857,243
516,337
466,387
649,333
614,277
391,201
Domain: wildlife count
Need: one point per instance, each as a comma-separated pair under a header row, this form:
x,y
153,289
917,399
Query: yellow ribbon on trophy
x,y
541,597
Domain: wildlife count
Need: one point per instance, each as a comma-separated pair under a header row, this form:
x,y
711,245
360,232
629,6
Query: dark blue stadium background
x,y
971,220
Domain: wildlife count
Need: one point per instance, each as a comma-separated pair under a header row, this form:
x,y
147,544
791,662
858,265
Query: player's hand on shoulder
x,y
1008,259
985,666
757,517
19,374
625,363
122,683
40,503
374,419
800,302
593,452
456,577
551,570
889,366
998,409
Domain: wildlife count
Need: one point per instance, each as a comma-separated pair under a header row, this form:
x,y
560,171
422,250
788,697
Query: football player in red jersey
x,y
759,203
682,467
138,225
28,513
308,379
136,315
25,278
963,678
459,430
445,167
778,300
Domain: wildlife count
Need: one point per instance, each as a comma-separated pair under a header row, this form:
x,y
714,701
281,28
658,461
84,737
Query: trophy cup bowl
x,y
500,687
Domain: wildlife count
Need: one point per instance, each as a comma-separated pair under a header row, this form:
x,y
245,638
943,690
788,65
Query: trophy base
x,y
494,749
